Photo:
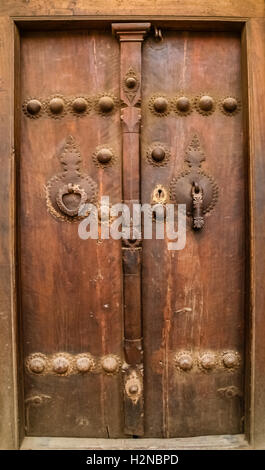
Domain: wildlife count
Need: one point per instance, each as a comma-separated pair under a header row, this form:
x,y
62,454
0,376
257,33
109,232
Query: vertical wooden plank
x,y
131,37
255,50
248,274
8,394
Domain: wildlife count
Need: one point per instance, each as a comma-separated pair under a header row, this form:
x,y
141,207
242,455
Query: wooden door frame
x,y
247,17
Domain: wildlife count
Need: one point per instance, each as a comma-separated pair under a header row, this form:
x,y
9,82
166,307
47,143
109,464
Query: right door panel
x,y
193,302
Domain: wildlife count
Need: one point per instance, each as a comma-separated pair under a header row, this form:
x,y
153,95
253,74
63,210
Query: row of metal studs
x,y
63,364
207,361
57,105
162,105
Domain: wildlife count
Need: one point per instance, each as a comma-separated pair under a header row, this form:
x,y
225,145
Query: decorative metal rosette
x,y
84,362
80,105
33,107
131,84
110,364
158,154
104,156
229,105
230,359
182,104
184,361
207,361
37,364
56,106
106,104
205,104
159,105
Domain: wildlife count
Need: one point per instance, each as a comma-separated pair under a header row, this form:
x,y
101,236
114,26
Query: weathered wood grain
x,y
145,10
255,49
232,442
131,36
249,8
8,367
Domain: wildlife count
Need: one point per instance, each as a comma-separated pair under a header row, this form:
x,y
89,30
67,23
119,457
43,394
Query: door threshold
x,y
223,442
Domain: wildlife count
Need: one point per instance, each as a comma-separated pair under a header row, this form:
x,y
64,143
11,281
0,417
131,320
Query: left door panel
x,y
71,289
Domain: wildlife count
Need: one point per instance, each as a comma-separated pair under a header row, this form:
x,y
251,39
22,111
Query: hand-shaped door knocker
x,y
67,192
194,187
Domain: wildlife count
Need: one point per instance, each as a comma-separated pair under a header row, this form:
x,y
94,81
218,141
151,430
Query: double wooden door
x,y
126,337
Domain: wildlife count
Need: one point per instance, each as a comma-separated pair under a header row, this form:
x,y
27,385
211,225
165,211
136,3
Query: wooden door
x,y
193,307
128,338
71,296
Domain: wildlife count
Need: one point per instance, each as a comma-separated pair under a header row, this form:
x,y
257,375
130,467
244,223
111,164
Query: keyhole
x,y
160,193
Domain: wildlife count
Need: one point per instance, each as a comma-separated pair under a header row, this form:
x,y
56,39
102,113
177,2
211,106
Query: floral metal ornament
x,y
131,84
104,156
229,105
106,104
205,104
80,105
68,191
56,106
158,154
159,105
194,187
33,108
182,104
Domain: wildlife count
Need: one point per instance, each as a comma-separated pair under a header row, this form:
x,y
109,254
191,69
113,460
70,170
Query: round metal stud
x,y
230,360
206,103
104,155
133,389
131,82
161,104
79,105
230,104
60,365
110,364
158,154
183,104
184,361
56,105
207,361
106,104
37,365
33,107
84,364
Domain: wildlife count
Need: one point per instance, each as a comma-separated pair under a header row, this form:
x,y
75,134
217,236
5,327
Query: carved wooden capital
x,y
130,32
131,118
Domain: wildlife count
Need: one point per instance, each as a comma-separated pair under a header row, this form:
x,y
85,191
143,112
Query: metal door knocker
x,y
194,187
197,206
67,192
